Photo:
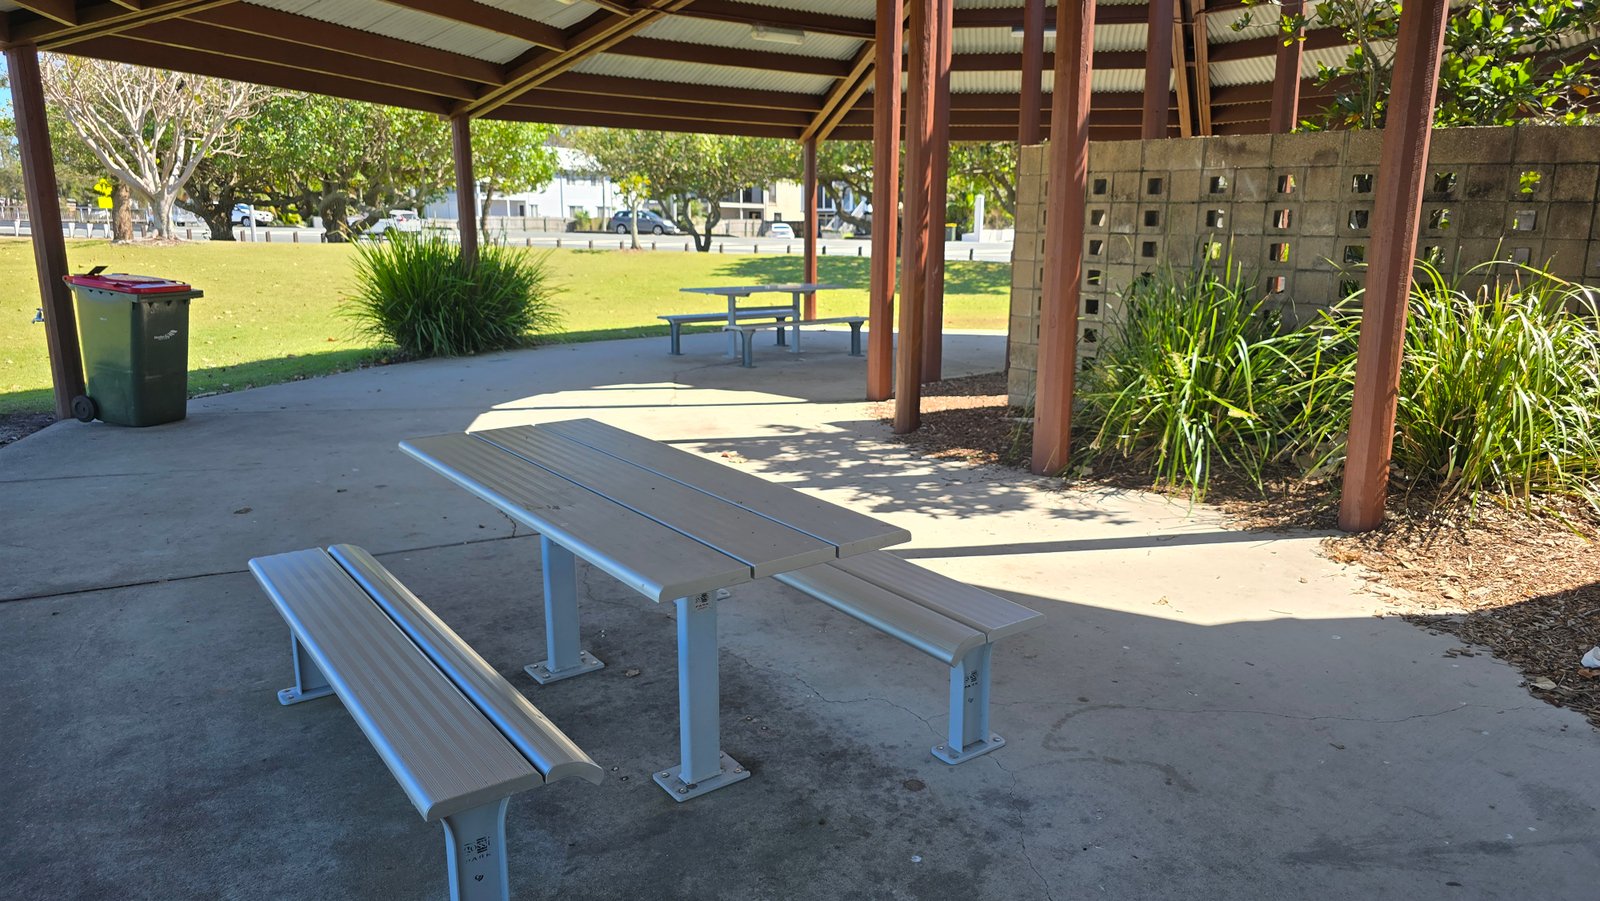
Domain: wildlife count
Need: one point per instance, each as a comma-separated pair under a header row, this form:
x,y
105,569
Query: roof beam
x,y
845,93
99,20
544,98
646,89
63,11
557,116
751,14
1012,62
259,21
227,64
595,35
1315,39
702,55
489,18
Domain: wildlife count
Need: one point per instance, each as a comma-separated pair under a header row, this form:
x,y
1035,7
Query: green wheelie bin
x,y
134,332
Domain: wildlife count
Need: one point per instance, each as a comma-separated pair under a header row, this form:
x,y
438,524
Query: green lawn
x,y
271,312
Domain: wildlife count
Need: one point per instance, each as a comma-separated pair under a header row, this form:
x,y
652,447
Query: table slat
x,y
768,547
851,532
650,558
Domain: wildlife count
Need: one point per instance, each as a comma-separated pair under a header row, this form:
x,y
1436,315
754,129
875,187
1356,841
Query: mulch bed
x,y
16,426
1523,583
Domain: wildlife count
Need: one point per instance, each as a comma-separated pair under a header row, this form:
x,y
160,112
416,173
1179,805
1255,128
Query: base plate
x,y
678,790
587,663
976,749
293,695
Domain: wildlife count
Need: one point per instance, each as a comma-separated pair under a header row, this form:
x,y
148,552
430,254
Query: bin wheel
x,y
83,408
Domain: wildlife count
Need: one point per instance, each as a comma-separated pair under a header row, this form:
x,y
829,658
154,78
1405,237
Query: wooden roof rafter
x,y
97,20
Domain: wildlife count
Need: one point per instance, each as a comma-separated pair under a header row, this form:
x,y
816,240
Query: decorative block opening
x,y
1433,255
1278,253
1091,336
1439,219
1152,218
1219,184
1097,218
1282,219
1096,247
1154,187
1349,288
1355,253
1528,182
1360,219
1098,186
1524,220
1521,254
1286,184
1444,182
1093,277
1214,250
1214,218
1277,284
1361,183
1147,249
1091,306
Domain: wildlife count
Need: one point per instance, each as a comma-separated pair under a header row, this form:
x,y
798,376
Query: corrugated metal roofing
x,y
1105,80
703,74
855,9
1261,69
406,25
550,12
738,36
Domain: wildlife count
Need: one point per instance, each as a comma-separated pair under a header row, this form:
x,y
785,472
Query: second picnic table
x,y
734,293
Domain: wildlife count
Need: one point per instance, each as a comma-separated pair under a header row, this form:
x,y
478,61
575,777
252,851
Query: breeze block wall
x,y
1295,211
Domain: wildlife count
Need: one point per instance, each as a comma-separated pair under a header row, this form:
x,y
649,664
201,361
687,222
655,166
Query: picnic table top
x,y
742,290
665,522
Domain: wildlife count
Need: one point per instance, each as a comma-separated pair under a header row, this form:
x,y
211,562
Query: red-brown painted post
x,y
44,223
808,184
1032,72
885,198
920,58
1069,168
938,196
1285,113
1157,70
1396,214
466,186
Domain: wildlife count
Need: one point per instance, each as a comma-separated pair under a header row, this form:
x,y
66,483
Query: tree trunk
x,y
483,212
121,212
163,205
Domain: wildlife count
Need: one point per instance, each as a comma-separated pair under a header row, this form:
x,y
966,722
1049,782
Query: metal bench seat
x,y
949,620
676,321
456,736
747,332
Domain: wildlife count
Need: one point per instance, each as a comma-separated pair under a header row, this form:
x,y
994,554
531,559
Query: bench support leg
x,y
566,657
781,332
855,339
309,683
704,767
475,846
969,710
675,335
748,361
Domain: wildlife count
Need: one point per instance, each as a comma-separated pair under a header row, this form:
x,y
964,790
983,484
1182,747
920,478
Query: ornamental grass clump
x,y
419,294
1500,387
1197,376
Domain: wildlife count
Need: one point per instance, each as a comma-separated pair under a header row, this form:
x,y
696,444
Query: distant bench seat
x,y
455,735
748,333
946,619
675,322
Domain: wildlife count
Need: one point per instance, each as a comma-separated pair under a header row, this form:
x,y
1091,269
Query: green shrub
x,y
1500,388
1195,377
418,293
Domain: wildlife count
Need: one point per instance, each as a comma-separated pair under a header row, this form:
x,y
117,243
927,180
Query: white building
x,y
572,192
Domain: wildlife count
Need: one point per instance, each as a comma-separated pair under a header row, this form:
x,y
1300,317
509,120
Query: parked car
x,y
780,230
402,221
649,223
242,214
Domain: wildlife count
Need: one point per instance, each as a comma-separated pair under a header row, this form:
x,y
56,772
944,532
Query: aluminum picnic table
x,y
666,523
734,293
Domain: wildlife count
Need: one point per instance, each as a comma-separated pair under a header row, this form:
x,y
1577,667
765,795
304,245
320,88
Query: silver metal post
x,y
475,845
309,682
566,657
969,734
703,767
795,302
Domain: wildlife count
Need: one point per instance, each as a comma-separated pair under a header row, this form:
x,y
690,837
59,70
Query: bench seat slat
x,y
529,731
441,750
742,313
766,545
837,320
989,613
646,556
852,532
937,636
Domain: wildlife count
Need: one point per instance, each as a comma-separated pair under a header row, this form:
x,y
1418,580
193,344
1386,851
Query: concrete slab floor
x,y
1205,714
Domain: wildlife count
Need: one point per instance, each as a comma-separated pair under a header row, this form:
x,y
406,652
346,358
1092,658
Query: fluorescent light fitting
x,y
1017,32
777,34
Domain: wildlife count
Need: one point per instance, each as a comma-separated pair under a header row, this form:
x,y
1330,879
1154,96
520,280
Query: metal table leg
x,y
969,709
566,657
703,768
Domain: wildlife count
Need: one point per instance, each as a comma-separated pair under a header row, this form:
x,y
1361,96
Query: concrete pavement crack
x,y
1022,834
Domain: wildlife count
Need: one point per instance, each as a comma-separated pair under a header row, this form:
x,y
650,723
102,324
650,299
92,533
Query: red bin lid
x,y
127,284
